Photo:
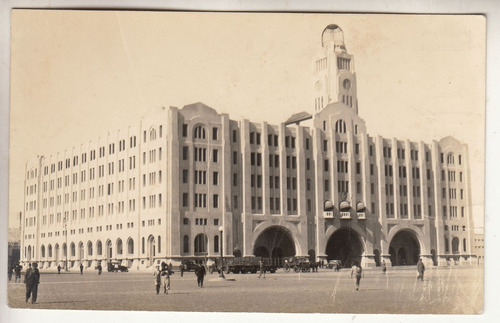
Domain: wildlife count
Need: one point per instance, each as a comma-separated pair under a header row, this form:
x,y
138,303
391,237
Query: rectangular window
x,y
185,175
215,155
215,133
235,136
185,199
216,178
235,157
185,150
216,201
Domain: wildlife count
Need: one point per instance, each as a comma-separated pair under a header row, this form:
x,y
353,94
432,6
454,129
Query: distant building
x,y
479,246
161,189
14,245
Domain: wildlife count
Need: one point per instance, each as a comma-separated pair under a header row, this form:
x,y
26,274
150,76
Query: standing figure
x,y
157,279
356,272
32,279
181,268
99,269
11,271
58,269
165,274
17,271
420,269
200,274
384,267
262,269
81,269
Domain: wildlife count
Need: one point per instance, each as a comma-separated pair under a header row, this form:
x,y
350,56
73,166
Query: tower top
x,y
333,37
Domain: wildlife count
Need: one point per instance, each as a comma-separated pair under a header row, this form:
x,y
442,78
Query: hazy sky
x,y
77,74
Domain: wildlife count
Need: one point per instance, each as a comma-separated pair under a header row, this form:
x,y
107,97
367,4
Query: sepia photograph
x,y
245,162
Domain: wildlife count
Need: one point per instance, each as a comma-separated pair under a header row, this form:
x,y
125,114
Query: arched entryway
x,y
109,250
275,242
404,248
151,249
345,245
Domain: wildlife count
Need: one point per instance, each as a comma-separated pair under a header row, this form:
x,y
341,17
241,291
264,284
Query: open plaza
x,y
457,290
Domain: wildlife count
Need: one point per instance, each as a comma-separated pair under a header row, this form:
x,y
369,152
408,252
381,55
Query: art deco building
x,y
161,189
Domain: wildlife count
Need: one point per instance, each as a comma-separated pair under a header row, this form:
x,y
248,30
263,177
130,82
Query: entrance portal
x,y
404,249
275,242
345,245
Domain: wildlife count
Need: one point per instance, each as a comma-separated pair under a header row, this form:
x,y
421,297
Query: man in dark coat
x,y
32,279
420,269
81,269
200,274
17,271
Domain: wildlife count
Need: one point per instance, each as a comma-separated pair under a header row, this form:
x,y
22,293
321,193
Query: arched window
x,y
159,244
152,134
119,246
465,244
451,159
454,245
130,244
65,250
446,245
43,251
340,126
99,248
89,248
73,250
50,251
216,243
200,243
143,245
185,244
199,132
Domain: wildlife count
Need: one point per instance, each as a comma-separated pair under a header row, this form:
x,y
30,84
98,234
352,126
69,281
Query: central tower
x,y
334,78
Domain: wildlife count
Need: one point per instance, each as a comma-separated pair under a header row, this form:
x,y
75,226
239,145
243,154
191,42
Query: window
x,y
340,126
185,150
215,155
184,130
215,133
216,201
199,132
216,178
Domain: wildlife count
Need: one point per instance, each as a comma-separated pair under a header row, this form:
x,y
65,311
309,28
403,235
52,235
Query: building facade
x,y
316,185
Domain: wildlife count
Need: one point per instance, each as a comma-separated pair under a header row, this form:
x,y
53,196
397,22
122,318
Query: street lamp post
x,y
66,236
221,274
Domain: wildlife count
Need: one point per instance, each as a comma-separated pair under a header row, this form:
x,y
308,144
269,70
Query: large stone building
x,y
160,189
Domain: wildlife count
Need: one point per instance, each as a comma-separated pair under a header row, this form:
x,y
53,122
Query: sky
x,y
77,74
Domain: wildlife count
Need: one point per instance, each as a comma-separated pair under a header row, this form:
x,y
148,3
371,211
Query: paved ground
x,y
445,290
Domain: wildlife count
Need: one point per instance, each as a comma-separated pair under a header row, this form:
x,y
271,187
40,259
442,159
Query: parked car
x,y
189,265
335,264
115,266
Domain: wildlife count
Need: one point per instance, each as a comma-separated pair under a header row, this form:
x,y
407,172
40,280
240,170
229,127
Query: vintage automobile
x,y
116,266
335,264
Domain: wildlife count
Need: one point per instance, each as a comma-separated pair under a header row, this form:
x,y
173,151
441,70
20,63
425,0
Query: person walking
x,y
81,269
165,274
384,267
17,271
262,269
181,268
356,271
200,274
157,279
420,269
99,269
32,279
58,269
